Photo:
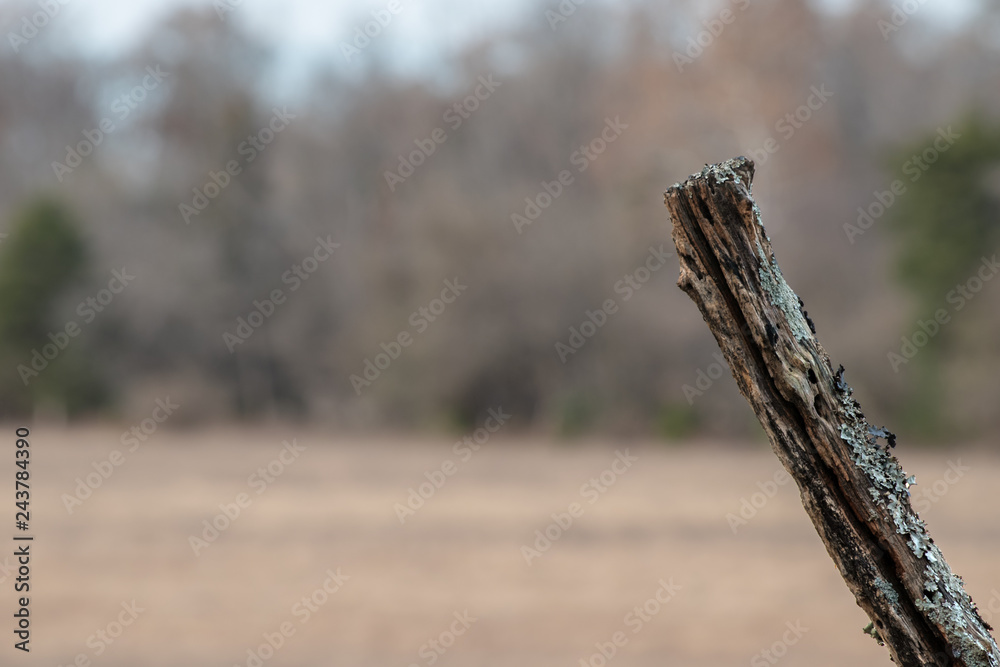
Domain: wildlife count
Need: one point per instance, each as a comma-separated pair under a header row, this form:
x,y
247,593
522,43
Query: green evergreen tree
x,y
39,260
945,222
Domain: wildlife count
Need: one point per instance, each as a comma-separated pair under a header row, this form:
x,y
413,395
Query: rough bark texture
x,y
854,491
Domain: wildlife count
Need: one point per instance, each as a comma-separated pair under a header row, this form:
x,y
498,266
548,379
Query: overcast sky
x,y
305,26
308,31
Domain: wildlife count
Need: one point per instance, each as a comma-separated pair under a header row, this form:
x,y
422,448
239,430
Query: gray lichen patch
x,y
889,483
887,590
781,295
945,603
759,217
722,172
948,605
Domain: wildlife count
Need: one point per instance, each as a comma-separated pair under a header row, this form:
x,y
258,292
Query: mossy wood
x,y
852,488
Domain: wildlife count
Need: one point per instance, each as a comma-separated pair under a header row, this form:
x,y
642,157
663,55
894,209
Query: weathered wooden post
x,y
852,488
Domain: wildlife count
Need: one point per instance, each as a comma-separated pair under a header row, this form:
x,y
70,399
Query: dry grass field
x,y
662,518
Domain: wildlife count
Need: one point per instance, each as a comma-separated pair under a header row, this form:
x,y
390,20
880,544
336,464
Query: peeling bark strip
x,y
854,491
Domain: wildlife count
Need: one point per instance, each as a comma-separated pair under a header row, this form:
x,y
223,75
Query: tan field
x,y
404,585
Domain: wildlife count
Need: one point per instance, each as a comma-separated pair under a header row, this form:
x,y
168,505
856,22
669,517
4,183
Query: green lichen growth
x,y
870,630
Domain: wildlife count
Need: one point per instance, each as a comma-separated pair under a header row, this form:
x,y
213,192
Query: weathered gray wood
x,y
852,488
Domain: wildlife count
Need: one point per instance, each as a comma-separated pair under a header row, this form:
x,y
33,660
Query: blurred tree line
x,y
203,134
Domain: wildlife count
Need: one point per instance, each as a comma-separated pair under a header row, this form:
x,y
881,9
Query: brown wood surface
x,y
853,489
